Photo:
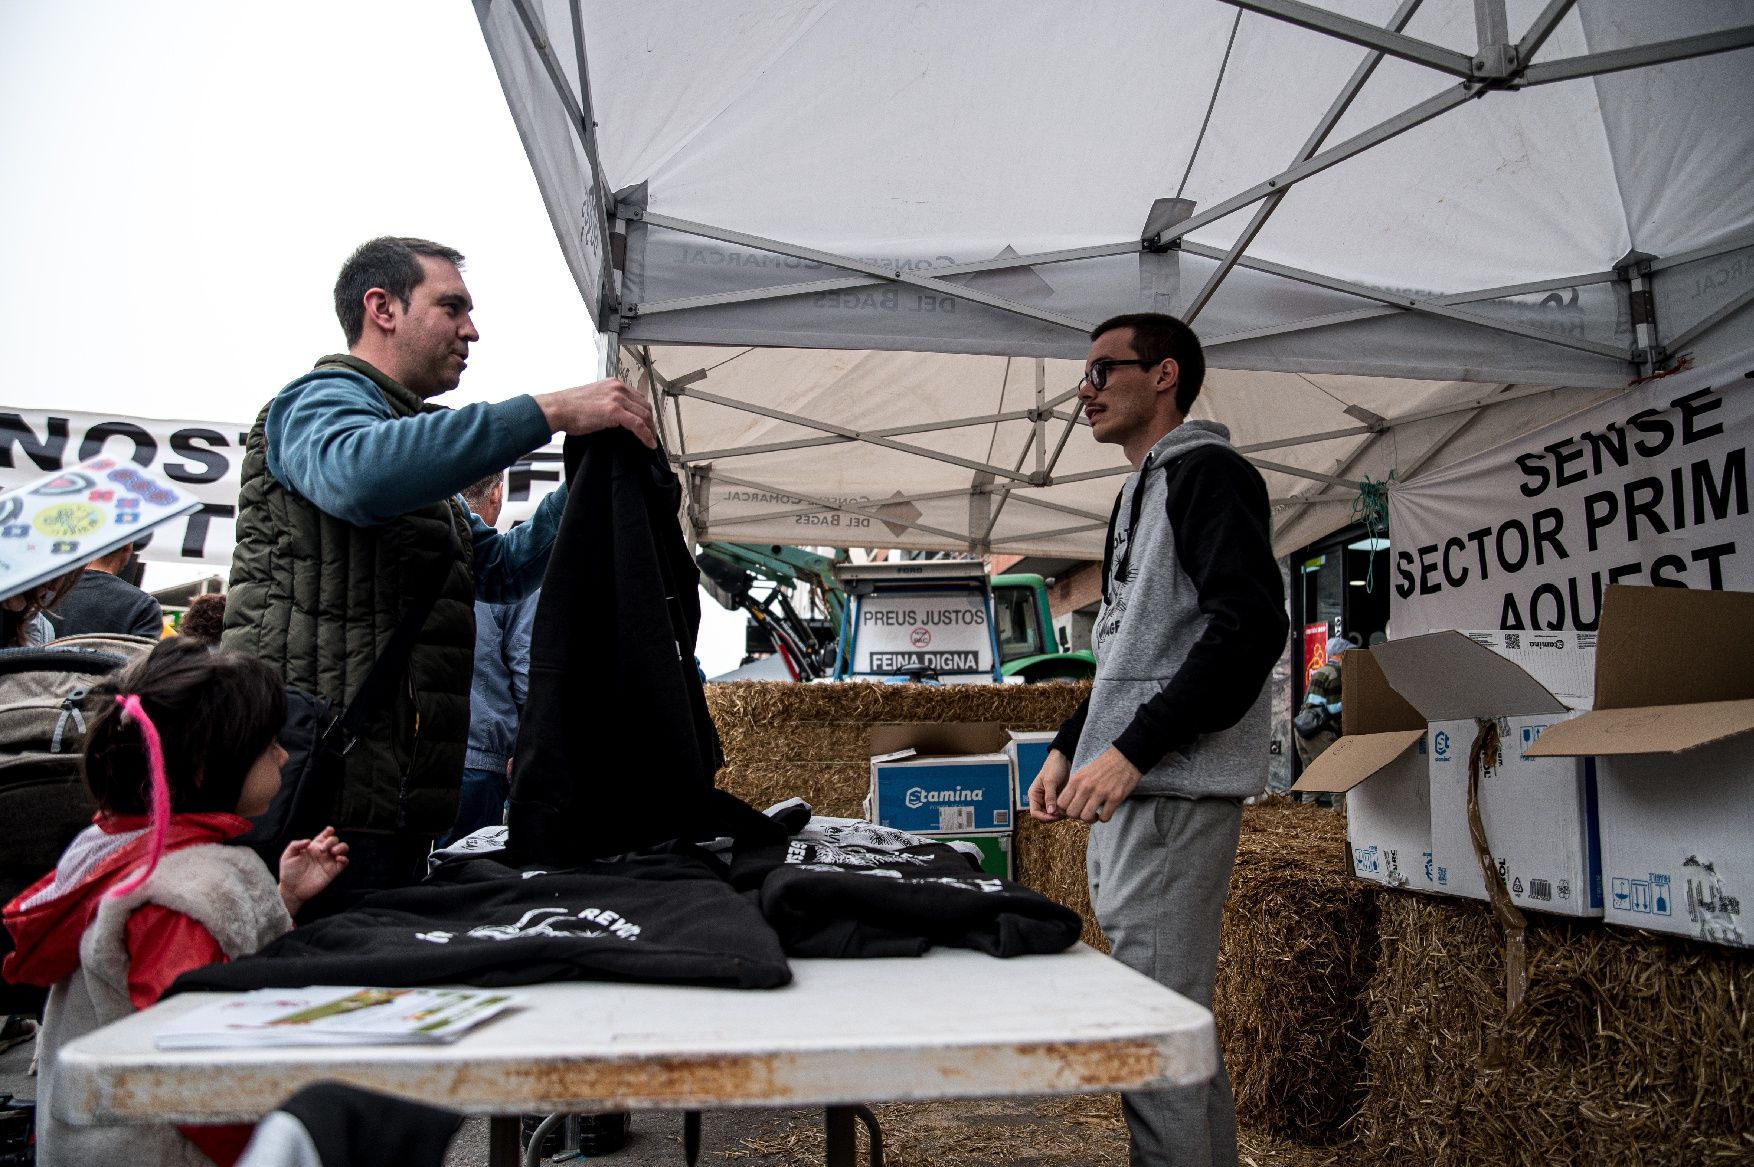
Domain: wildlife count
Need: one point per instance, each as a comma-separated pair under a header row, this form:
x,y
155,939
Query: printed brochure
x,y
334,1015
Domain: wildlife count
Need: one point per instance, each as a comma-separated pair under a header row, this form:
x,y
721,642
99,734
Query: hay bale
x,y
1297,953
1628,1048
1050,859
811,741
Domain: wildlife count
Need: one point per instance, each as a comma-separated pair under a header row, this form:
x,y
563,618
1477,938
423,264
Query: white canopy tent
x,y
854,249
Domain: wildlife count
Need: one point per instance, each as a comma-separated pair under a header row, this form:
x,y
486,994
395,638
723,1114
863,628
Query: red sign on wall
x,y
1315,649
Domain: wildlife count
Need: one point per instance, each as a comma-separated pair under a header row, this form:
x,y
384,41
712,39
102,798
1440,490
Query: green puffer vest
x,y
319,599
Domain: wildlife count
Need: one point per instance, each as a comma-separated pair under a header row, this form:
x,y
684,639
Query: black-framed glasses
x,y
1097,374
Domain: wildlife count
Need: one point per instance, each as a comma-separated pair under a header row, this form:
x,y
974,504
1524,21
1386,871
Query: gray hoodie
x,y
1192,621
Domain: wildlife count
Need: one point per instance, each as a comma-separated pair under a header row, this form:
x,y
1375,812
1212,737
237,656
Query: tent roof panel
x,y
1349,342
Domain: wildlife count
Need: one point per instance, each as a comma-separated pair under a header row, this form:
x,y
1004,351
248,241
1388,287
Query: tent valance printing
x,y
853,250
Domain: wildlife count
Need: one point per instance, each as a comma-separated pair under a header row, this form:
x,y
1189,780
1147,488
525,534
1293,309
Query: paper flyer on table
x,y
334,1015
65,520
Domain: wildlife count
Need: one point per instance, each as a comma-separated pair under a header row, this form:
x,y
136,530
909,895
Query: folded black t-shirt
x,y
658,918
841,899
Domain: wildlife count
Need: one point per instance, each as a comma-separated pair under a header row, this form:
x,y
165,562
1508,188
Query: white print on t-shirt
x,y
801,851
986,886
859,833
547,922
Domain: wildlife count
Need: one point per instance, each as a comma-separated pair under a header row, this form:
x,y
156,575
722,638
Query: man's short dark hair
x,y
390,262
1157,336
475,494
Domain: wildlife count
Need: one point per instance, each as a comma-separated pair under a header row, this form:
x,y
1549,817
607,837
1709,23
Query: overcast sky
x,y
182,181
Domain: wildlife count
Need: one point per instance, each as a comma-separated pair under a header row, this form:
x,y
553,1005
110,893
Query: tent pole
x,y
1648,354
1408,119
1561,283
1542,29
869,510
925,496
841,440
1330,119
1434,307
1639,56
1495,56
1710,322
1300,472
1734,243
578,114
1411,118
1039,420
1326,494
1359,32
868,437
881,274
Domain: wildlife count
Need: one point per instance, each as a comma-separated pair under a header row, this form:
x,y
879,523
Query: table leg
x,y
843,1142
502,1142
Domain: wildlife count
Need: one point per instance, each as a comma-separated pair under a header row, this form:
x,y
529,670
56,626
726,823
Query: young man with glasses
x,y
1174,733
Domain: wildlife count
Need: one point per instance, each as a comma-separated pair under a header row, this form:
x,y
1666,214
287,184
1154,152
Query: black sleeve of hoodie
x,y
1071,729
1220,518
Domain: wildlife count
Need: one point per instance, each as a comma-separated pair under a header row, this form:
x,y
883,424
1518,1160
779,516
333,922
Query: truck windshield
x,y
1019,630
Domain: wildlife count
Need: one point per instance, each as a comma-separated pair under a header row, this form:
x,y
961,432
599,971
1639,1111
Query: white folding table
x,y
953,1024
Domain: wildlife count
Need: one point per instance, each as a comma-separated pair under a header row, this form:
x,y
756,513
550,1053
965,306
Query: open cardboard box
x,y
1539,813
1378,762
941,778
1673,732
1028,750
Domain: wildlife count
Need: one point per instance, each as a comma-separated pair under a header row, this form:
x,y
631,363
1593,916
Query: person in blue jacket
x,y
348,518
498,689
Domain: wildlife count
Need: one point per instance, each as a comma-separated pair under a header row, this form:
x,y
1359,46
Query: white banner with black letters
x,y
201,458
1649,488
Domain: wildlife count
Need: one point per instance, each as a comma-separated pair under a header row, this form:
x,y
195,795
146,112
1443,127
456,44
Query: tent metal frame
x,y
1498,65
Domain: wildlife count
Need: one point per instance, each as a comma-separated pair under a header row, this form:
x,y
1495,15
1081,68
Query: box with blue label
x,y
1539,814
1379,764
949,778
1672,733
1028,749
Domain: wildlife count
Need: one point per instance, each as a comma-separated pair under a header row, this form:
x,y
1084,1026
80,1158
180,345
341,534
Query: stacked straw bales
x,y
1297,934
1628,1048
1347,1011
1294,963
810,741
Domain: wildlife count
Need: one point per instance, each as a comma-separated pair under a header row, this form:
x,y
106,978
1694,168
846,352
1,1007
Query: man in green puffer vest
x,y
348,512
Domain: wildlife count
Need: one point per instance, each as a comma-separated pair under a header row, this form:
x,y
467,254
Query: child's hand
x,y
307,866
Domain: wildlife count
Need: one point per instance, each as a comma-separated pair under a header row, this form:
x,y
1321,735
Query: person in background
x,y
348,518
498,689
1174,733
205,619
23,623
1317,724
152,889
102,601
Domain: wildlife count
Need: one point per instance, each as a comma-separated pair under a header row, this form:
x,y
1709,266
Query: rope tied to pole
x,y
1483,756
1371,508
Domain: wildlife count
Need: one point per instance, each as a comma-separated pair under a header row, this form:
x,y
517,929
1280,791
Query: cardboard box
x,y
1539,814
949,778
1028,749
995,850
1673,735
1379,764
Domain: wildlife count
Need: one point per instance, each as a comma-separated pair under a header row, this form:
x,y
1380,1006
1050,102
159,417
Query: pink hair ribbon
x,y
133,711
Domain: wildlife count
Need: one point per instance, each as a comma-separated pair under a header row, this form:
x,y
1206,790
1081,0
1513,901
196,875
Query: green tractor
x,y
936,620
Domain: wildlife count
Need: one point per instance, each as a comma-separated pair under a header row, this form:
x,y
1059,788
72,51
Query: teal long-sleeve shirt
x,y
333,441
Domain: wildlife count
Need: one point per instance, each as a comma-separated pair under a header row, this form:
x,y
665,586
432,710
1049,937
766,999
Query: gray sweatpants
x,y
1159,871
